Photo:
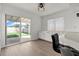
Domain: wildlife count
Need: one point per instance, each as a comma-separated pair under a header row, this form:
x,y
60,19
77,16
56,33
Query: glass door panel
x,y
25,27
12,29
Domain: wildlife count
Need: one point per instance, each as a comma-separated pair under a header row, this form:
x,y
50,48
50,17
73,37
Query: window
x,y
56,24
59,24
51,25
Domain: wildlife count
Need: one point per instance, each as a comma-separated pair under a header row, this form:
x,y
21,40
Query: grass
x,y
16,34
10,36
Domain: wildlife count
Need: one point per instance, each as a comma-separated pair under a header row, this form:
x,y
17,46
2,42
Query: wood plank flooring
x,y
31,48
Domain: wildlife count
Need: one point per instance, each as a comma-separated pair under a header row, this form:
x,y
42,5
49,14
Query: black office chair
x,y
60,48
55,43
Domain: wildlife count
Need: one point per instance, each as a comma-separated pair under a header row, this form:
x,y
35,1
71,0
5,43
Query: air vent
x,y
77,14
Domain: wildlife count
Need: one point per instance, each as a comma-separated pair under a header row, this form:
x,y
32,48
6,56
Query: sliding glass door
x,y
12,29
16,29
25,28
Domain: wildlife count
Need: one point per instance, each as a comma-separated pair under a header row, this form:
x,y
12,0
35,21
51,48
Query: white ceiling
x,y
49,7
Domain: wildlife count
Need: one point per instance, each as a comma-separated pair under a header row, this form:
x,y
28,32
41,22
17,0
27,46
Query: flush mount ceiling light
x,y
41,7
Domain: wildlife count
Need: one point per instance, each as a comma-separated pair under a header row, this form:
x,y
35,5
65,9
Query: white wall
x,y
11,10
70,19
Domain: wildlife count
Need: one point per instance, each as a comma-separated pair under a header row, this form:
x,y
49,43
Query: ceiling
x,y
49,7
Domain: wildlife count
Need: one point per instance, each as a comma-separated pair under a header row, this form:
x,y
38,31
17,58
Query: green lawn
x,y
16,34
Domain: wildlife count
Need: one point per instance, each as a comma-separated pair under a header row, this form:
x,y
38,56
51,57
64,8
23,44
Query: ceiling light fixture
x,y
41,7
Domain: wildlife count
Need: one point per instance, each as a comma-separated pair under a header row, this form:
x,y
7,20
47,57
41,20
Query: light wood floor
x,y
31,48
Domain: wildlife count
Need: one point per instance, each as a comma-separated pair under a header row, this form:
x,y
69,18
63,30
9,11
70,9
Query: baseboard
x,y
44,40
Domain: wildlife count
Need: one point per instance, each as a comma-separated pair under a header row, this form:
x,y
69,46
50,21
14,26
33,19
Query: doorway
x,y
17,29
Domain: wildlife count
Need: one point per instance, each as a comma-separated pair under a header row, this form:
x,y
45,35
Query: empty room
x,y
39,29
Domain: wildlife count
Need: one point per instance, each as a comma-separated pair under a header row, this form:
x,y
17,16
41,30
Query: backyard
x,y
14,32
17,27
